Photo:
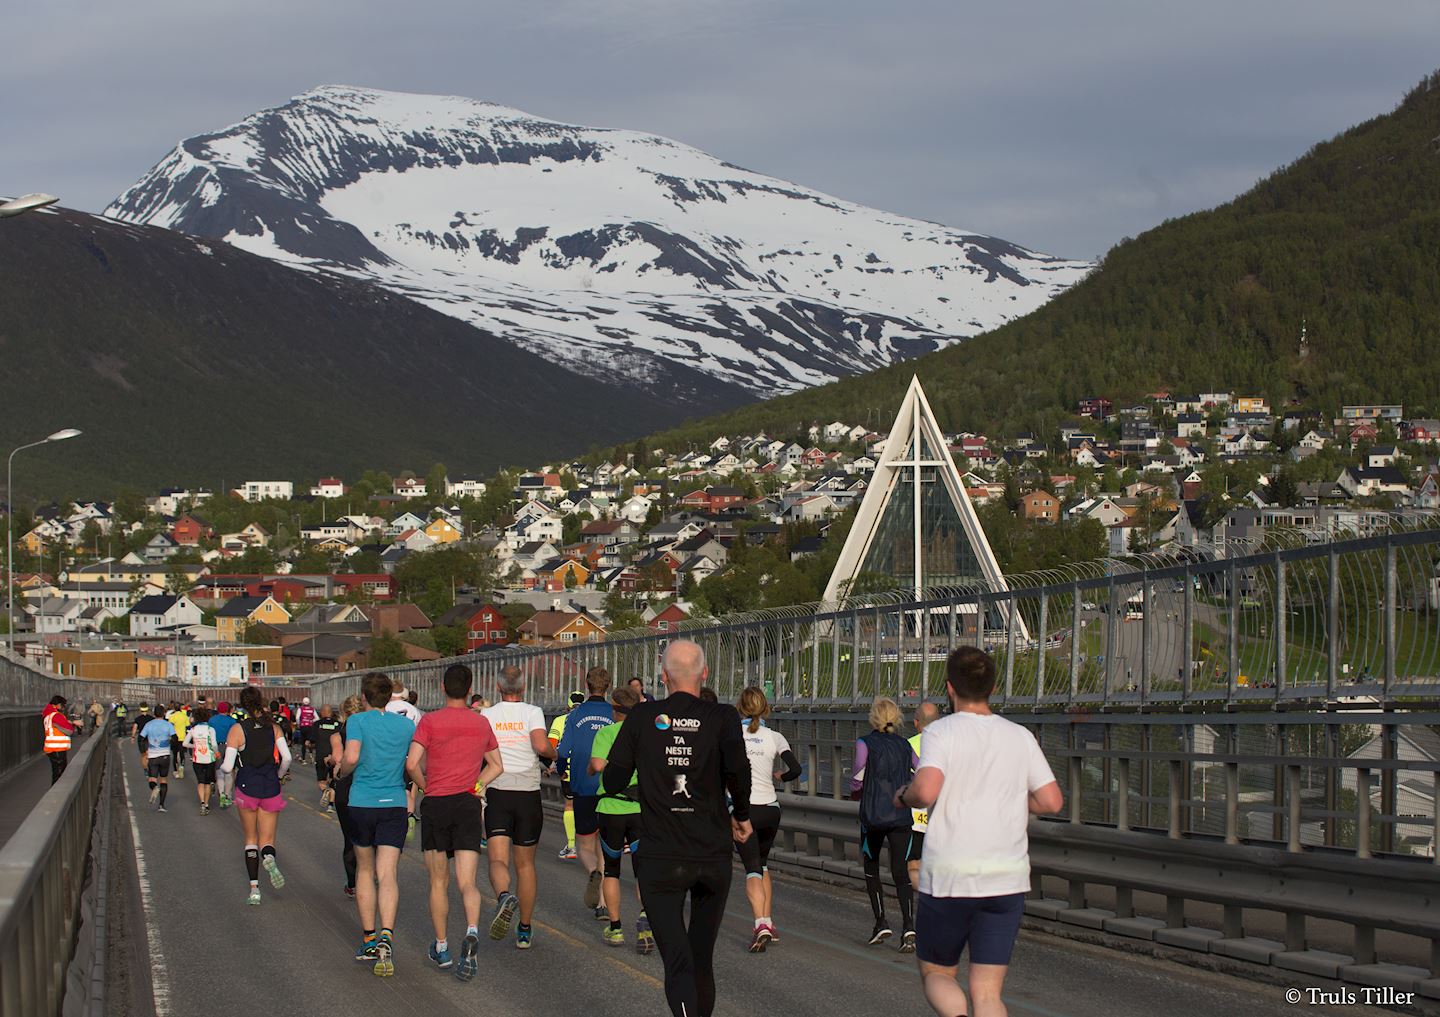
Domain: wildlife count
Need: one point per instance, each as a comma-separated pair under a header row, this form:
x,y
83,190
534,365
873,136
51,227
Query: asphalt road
x,y
22,788
212,954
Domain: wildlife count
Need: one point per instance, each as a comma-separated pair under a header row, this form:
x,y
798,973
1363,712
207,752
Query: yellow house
x,y
237,614
442,531
33,543
1251,404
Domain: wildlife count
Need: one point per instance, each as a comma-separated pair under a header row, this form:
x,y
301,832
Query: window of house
x,y
663,626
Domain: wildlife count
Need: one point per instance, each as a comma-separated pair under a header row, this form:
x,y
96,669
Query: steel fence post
x,y
1281,627
1332,626
1390,596
1040,657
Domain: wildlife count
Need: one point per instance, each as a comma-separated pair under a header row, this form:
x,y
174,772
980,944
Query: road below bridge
x,y
210,953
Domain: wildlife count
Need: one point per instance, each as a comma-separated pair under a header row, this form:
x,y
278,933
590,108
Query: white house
x,y
636,509
260,490
328,487
464,488
409,487
160,615
404,521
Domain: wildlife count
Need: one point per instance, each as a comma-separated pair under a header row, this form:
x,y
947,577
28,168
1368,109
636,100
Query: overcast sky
x,y
1061,126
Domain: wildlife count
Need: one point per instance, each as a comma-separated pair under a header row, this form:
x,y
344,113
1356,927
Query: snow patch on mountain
x,y
601,249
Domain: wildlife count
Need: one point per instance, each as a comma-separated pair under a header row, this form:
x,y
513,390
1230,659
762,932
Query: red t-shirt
x,y
455,741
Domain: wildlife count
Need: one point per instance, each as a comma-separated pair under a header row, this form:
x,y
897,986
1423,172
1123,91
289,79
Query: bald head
x,y
925,715
510,682
684,666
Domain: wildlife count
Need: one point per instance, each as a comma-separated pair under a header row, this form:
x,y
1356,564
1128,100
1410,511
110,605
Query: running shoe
x,y
880,933
468,965
329,810
613,936
567,853
440,957
592,890
644,938
758,941
766,932
277,878
522,937
254,897
179,773
907,941
384,957
770,931
224,801
602,913
350,892
161,808
410,829
366,950
155,796
204,810
504,915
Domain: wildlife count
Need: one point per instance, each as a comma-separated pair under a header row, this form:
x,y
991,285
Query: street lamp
x,y
61,435
25,203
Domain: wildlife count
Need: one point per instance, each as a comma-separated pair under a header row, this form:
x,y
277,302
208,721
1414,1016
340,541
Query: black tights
x,y
688,953
898,840
347,853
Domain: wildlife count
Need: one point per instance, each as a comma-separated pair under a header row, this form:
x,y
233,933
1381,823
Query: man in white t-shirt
x,y
400,703
981,777
514,813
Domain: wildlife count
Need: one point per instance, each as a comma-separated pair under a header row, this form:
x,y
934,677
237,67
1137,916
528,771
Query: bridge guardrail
x,y
1365,894
42,873
1192,626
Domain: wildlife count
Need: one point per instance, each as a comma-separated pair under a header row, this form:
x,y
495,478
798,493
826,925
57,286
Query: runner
x,y
280,712
305,719
557,731
883,763
765,749
122,719
154,740
925,715
444,761
514,814
96,714
638,684
180,720
221,722
376,743
326,725
981,778
400,703
574,754
258,745
620,830
688,754
58,730
204,754
335,748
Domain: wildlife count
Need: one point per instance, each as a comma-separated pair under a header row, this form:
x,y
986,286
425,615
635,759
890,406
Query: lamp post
x,y
61,435
25,203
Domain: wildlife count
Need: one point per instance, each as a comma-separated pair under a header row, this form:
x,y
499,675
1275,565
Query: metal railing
x,y
1350,619
42,874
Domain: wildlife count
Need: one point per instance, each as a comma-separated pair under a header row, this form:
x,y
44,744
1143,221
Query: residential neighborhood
x,y
277,576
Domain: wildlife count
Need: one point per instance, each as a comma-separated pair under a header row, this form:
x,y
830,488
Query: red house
x,y
667,620
1096,407
375,585
189,530
484,625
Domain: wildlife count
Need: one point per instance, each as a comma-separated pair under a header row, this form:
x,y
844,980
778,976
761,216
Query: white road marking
x,y
160,988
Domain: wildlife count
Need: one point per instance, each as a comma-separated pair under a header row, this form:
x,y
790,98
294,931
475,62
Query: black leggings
x,y
688,953
872,839
755,852
342,813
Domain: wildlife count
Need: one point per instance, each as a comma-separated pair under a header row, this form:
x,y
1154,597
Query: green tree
x,y
435,482
386,650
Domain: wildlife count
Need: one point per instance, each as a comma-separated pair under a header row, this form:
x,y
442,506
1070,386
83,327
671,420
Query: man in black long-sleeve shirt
x,y
688,754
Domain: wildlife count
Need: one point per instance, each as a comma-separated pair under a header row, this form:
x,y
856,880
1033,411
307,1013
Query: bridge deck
x,y
206,946
22,789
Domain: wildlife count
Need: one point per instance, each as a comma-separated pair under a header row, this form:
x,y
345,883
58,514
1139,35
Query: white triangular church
x,y
916,527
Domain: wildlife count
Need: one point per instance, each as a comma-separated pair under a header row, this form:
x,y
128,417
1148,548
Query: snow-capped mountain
x,y
606,250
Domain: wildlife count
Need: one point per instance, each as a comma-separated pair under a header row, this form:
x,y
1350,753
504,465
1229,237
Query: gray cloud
x,y
1061,126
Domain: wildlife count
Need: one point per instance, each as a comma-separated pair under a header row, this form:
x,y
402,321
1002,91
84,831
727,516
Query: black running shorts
x,y
204,772
615,833
586,821
379,827
157,766
451,823
518,815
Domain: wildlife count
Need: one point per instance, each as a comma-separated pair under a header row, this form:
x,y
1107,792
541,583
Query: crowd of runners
x,y
681,785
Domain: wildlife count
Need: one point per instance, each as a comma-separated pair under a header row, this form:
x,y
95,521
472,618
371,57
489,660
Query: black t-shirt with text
x,y
687,754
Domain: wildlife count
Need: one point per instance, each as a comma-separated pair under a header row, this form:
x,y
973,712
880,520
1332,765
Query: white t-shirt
x,y
977,844
763,749
201,741
513,723
405,709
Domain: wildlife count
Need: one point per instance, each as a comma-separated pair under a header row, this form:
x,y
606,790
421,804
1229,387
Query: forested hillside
x,y
1344,243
